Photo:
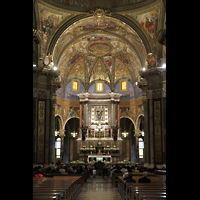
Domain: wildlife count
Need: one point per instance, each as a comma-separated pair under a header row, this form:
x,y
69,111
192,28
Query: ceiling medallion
x,y
99,48
99,13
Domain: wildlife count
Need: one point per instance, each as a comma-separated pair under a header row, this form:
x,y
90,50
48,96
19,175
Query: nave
x,y
99,188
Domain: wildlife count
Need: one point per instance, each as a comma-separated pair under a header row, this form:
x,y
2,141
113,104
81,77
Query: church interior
x,y
99,90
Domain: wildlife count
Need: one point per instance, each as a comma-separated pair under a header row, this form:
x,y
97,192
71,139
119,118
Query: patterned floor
x,y
99,188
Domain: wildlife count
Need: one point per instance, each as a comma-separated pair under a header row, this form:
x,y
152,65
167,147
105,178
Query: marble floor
x,y
99,188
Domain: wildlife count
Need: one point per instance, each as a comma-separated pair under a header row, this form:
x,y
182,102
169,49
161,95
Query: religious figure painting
x,y
99,114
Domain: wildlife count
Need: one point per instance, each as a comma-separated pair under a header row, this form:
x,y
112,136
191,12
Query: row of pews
x,y
57,187
156,190
116,175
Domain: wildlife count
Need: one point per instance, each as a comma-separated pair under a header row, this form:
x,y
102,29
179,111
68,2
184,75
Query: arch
x,y
99,32
68,120
131,22
68,139
131,139
60,120
130,119
138,121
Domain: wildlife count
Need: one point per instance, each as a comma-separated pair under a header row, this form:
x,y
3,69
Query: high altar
x,y
100,117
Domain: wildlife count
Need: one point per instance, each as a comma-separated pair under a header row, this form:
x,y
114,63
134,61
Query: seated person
x,y
61,170
144,179
125,176
123,169
38,175
129,180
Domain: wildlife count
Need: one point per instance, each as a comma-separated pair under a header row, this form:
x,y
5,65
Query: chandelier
x,y
74,134
57,133
124,134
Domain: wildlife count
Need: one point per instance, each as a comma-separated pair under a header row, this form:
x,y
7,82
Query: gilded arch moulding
x,y
130,119
137,120
132,23
99,32
68,120
61,120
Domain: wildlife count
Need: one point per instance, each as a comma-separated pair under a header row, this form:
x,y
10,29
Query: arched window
x,y
99,86
58,147
141,147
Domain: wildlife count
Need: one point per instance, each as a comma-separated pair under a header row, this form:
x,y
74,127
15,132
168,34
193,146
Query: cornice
x,y
101,4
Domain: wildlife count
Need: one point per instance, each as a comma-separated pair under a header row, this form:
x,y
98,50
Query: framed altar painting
x,y
99,114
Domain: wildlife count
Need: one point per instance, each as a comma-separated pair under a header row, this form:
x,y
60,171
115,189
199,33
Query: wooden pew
x,y
44,197
157,197
129,193
147,188
115,178
41,190
57,194
71,184
149,193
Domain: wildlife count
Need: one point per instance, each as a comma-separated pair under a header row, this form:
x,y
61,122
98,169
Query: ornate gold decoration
x,y
42,64
99,13
151,60
99,48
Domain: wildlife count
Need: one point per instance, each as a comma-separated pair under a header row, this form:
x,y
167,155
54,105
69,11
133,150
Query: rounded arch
x,y
68,120
138,120
130,119
101,32
130,140
131,22
60,120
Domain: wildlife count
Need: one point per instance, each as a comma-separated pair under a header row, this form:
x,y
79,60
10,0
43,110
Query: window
x,y
140,153
76,85
58,147
124,85
100,86
141,147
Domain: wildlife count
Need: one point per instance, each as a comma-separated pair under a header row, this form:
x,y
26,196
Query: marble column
x,y
146,133
80,120
118,120
52,133
35,114
45,84
62,135
137,134
86,114
153,85
112,112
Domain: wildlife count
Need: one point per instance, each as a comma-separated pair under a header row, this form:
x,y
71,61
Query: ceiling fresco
x,y
92,29
99,46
